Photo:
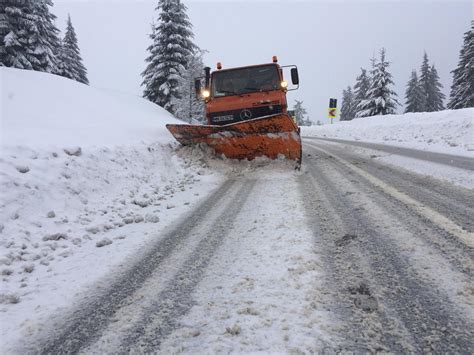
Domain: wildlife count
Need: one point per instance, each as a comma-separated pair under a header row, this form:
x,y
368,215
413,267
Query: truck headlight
x,y
284,84
205,94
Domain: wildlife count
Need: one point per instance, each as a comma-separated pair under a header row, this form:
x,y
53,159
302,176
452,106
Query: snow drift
x,y
449,131
87,177
44,110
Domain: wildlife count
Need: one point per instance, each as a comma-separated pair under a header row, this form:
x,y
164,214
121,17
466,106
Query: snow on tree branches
x,y
69,57
300,114
347,107
361,87
29,39
380,97
17,27
462,89
46,40
188,106
429,83
170,51
436,97
415,97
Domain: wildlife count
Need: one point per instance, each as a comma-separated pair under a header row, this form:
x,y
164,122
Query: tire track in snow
x,y
408,313
261,292
434,194
86,324
456,161
456,202
357,331
176,300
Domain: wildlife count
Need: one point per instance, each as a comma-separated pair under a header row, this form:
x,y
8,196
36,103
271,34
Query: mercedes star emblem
x,y
245,114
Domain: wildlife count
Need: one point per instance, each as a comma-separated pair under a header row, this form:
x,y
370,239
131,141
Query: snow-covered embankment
x,y
87,177
449,131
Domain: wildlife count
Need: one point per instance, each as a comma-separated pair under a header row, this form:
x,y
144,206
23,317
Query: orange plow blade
x,y
269,136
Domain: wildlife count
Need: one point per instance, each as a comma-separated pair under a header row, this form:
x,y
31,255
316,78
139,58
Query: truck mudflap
x,y
271,136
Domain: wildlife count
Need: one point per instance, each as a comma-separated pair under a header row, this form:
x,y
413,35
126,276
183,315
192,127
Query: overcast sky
x,y
328,40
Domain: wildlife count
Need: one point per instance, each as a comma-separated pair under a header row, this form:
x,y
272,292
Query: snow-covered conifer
x,y
17,28
361,87
366,107
429,83
462,89
300,114
415,97
69,57
436,97
424,80
347,107
170,51
188,106
45,41
380,97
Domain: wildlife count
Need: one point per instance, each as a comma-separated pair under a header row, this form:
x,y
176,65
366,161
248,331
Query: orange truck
x,y
247,113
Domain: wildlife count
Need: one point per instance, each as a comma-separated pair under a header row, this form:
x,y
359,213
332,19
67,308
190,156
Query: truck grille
x,y
226,117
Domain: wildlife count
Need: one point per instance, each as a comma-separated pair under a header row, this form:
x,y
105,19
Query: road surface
x,y
346,254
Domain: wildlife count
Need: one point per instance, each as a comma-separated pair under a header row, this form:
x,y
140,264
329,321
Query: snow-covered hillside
x,y
449,131
87,177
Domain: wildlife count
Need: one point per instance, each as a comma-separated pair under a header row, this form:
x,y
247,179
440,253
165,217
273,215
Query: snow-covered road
x,y
349,253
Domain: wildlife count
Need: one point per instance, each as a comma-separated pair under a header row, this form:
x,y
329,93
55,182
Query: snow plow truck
x,y
246,111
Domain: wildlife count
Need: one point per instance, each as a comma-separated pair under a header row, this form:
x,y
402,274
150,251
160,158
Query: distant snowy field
x,y
449,131
87,176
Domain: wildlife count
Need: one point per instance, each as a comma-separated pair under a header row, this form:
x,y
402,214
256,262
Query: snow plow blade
x,y
270,136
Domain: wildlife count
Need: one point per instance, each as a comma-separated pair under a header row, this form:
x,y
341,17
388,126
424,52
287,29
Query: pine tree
x,y
424,81
17,27
170,51
361,87
300,113
28,35
366,107
347,107
46,40
188,106
436,97
69,57
462,89
415,97
381,98
429,83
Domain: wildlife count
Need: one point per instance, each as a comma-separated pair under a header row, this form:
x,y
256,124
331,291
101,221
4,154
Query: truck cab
x,y
245,93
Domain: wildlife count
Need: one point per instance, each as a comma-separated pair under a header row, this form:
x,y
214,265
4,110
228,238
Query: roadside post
x,y
332,111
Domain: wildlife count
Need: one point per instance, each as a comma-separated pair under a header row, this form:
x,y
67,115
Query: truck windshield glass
x,y
245,80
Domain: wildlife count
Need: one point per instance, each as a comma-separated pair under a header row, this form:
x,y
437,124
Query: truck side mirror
x,y
197,86
294,76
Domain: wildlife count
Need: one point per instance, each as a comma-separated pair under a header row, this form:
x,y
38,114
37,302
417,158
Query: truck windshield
x,y
245,80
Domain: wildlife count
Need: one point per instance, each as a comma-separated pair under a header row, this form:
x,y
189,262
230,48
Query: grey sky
x,y
328,40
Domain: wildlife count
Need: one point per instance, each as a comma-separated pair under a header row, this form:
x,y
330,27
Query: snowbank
x,y
449,131
87,177
48,111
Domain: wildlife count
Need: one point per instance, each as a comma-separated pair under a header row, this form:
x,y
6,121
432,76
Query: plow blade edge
x,y
269,136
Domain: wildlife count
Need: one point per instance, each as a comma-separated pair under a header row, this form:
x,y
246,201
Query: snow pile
x,y
449,131
87,176
40,110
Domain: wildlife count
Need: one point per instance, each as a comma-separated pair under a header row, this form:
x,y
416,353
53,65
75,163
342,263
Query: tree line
x,y
372,94
29,39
